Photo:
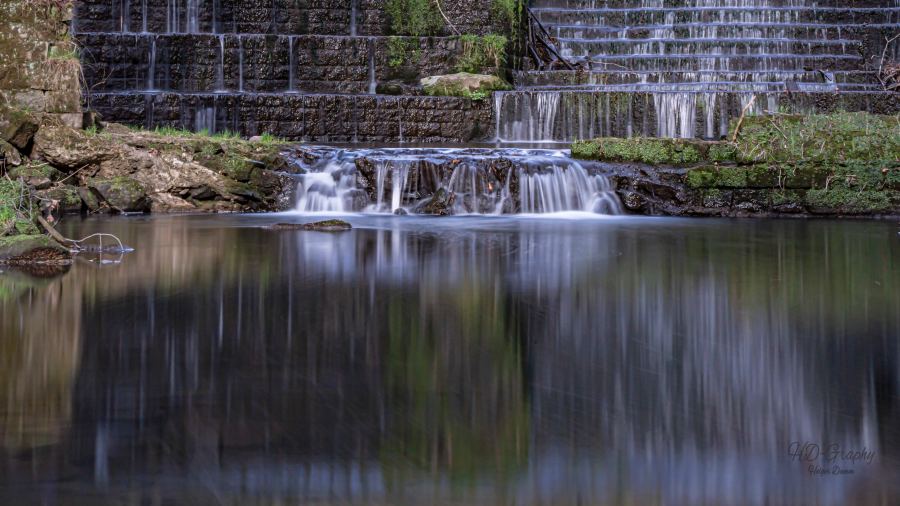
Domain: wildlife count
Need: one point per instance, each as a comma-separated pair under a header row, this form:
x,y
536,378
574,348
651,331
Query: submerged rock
x,y
318,226
32,249
440,204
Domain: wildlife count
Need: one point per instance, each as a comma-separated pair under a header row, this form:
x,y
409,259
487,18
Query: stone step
x,y
809,31
661,4
844,79
687,62
629,17
305,117
261,63
570,47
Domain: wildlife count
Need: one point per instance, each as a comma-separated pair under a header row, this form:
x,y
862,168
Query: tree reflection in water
x,y
455,360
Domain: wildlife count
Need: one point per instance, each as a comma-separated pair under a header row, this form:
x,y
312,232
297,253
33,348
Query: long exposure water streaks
x,y
665,361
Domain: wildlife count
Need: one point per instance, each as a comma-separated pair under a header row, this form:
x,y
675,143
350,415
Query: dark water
x,y
457,360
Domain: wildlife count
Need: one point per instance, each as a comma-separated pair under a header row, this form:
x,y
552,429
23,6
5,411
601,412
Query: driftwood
x,y
540,45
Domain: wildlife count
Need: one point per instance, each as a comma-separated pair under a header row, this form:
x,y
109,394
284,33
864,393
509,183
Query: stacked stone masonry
x,y
206,63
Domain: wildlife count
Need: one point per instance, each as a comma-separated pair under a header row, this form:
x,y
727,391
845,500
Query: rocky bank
x,y
845,164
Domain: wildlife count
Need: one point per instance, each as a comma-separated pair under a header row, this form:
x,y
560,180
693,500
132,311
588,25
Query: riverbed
x,y
562,359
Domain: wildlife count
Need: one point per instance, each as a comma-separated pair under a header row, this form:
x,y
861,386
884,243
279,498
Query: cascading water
x,y
681,69
566,187
449,181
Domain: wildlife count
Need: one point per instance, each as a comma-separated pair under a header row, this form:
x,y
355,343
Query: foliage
x,y
17,212
402,50
643,150
833,137
510,11
416,18
481,52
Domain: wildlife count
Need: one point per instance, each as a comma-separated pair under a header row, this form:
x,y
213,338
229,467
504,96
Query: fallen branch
x,y
446,19
76,244
740,122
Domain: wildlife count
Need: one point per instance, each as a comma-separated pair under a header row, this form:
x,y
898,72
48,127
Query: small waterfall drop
x,y
450,181
328,188
354,5
151,65
193,16
566,187
240,64
291,72
373,85
220,72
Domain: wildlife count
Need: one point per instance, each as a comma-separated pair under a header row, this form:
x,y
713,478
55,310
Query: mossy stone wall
x,y
39,67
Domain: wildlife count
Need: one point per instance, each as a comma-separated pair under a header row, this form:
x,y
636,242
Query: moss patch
x,y
643,150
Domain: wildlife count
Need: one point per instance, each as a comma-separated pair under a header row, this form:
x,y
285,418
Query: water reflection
x,y
456,360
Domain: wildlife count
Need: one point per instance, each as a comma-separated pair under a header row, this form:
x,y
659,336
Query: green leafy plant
x,y
509,10
480,52
416,18
402,50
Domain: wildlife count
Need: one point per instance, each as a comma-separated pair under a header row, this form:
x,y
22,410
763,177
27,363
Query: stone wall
x,y
259,63
39,69
307,117
276,17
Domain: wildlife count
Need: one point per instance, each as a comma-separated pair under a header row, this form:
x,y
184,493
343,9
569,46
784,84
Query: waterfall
x,y
291,84
151,65
172,16
353,8
463,181
193,16
125,17
220,77
205,120
328,189
143,16
240,64
373,85
566,187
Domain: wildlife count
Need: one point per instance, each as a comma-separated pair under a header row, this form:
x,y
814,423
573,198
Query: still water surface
x,y
457,360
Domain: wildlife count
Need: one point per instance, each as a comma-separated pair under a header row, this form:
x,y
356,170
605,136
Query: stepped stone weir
x,y
684,68
298,69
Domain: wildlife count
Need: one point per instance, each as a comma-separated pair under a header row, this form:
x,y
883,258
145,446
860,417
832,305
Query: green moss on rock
x,y
642,150
463,84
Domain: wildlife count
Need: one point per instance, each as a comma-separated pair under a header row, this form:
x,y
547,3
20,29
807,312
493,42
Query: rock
x,y
37,176
633,201
67,198
69,149
32,249
9,154
318,226
401,212
390,88
90,200
203,192
122,193
463,84
17,127
440,204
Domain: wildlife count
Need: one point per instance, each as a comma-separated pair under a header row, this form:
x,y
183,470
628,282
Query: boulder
x,y
69,149
67,199
440,204
9,154
17,127
463,84
122,193
32,249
